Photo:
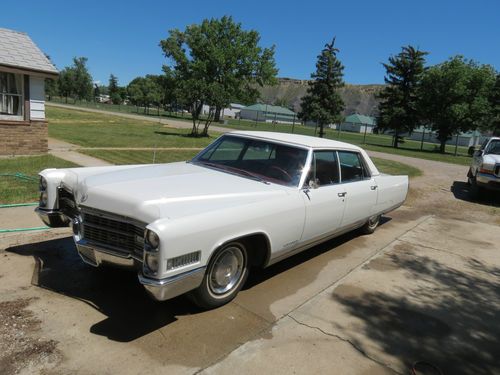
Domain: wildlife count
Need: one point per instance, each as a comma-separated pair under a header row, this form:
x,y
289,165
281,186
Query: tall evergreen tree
x,y
83,86
398,109
322,102
114,90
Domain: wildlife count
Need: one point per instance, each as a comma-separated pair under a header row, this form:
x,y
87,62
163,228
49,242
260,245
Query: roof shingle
x,y
17,50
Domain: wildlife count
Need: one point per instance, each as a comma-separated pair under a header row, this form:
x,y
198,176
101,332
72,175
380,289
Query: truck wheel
x,y
225,276
371,224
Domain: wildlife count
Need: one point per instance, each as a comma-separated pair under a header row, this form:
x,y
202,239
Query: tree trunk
x,y
217,114
396,139
321,130
442,146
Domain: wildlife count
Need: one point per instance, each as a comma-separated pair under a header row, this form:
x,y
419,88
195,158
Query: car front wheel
x,y
226,273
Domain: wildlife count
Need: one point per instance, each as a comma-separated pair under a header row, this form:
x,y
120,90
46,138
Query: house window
x,y
11,95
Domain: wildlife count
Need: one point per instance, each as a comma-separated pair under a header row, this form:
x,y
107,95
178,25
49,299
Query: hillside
x,y
288,92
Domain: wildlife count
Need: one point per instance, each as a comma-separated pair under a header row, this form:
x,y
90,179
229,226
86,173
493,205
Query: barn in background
x,y
23,70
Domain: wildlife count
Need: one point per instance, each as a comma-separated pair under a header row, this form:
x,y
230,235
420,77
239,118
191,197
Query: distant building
x,y
358,124
268,113
23,69
230,112
467,139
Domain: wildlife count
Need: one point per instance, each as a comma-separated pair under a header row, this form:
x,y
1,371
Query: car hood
x,y
173,190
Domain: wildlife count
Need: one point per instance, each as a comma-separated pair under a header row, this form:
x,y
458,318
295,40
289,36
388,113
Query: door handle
x,y
374,187
341,195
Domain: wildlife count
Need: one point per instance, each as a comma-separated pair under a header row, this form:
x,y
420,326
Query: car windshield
x,y
494,147
257,159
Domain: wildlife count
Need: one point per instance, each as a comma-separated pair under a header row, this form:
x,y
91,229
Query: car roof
x,y
297,139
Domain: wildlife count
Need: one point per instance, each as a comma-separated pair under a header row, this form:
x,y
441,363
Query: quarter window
x,y
11,94
352,167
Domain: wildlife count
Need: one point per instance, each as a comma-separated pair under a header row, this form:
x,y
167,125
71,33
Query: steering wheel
x,y
284,173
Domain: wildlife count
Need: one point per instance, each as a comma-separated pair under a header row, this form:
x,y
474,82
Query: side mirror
x,y
478,153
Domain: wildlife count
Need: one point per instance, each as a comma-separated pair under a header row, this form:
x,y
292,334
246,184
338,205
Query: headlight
x,y
43,184
151,263
44,197
152,239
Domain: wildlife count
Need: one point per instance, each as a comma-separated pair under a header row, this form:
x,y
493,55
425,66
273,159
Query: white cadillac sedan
x,y
248,199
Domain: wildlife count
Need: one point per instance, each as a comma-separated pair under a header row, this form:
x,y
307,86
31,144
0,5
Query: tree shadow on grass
x,y
451,317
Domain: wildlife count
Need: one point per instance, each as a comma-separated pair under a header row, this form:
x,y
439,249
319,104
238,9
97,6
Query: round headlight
x,y
152,239
43,183
44,197
151,262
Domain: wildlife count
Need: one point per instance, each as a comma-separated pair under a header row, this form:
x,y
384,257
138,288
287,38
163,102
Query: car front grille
x,y
67,203
120,235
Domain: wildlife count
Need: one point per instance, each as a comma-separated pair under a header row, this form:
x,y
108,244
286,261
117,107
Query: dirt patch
x,y
20,349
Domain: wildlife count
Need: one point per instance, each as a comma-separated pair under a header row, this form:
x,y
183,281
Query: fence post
x,y
340,126
422,142
456,146
293,123
364,137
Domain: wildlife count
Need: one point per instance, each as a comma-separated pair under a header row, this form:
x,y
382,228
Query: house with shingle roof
x,y
23,70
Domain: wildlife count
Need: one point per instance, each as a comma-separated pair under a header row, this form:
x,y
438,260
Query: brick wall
x,y
23,139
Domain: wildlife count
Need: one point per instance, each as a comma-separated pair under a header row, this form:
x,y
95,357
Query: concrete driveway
x,y
425,286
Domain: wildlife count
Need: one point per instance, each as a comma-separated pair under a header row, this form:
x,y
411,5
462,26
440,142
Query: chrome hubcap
x,y
226,270
373,221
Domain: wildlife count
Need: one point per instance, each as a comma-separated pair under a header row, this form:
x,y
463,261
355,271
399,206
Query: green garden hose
x,y
22,229
26,178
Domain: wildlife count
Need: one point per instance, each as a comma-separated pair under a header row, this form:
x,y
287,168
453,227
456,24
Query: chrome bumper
x,y
174,286
488,181
52,218
96,256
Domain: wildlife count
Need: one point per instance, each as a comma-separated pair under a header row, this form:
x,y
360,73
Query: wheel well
x,y
258,246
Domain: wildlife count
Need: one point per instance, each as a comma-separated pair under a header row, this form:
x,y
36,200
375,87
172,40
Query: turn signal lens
x,y
484,169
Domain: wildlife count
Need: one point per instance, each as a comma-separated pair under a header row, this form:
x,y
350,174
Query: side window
x,y
352,167
325,168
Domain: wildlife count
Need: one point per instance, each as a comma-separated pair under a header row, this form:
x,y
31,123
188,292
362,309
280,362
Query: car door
x,y
360,188
324,197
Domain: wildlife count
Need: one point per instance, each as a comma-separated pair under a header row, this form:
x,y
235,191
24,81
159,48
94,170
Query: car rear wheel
x,y
226,273
371,224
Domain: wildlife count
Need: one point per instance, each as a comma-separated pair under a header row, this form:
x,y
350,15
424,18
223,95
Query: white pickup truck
x,y
248,199
484,172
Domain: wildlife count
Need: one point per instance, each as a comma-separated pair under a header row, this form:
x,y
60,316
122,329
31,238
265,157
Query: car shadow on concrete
x,y
117,294
461,190
455,324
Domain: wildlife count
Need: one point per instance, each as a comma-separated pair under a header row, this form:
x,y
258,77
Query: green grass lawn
x,y
396,168
101,130
144,157
20,190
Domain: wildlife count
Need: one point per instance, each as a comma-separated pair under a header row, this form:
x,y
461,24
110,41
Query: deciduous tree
x,y
214,62
454,97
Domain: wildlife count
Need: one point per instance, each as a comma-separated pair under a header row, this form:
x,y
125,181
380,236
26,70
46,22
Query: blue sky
x,y
122,38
